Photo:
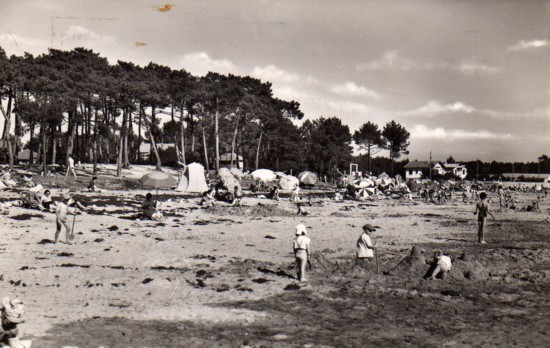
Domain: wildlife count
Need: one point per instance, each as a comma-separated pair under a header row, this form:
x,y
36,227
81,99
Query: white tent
x,y
289,182
264,175
196,181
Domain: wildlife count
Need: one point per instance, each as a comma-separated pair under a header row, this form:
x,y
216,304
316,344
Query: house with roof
x,y
421,169
416,169
145,149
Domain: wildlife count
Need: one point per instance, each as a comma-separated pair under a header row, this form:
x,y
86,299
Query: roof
x,y
25,155
418,164
146,147
452,165
226,157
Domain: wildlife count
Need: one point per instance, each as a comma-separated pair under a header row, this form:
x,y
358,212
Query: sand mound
x,y
414,264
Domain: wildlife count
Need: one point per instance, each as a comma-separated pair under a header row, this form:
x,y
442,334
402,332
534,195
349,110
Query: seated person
x,y
274,193
237,197
92,186
30,200
149,206
208,198
46,200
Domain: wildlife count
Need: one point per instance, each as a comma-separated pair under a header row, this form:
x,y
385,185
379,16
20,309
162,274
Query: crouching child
x,y
443,265
11,315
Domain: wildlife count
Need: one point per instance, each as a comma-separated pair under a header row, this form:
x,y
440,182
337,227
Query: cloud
x,y
391,60
200,63
422,132
350,89
272,73
347,106
12,40
433,108
79,36
528,45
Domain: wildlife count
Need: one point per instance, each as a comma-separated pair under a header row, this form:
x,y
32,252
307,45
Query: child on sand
x,y
365,247
11,315
482,211
301,251
92,186
61,211
443,265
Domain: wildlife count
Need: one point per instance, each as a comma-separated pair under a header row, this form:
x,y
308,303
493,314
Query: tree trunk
x,y
217,138
235,132
139,133
369,154
153,144
44,149
205,151
7,126
70,142
54,147
182,135
258,150
94,143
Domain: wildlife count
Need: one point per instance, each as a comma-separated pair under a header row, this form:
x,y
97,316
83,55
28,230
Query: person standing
x,y
70,167
482,211
301,251
61,211
365,246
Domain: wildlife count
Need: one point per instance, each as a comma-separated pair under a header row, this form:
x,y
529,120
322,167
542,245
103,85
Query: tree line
x,y
74,103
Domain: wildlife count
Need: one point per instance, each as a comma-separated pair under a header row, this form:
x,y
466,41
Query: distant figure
x,y
237,197
301,209
501,196
442,265
149,207
208,198
295,196
482,211
92,186
365,247
274,193
301,251
70,167
61,212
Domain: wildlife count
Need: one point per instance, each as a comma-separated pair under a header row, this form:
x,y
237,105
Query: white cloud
x,y
528,45
350,89
346,106
433,108
200,63
391,60
422,132
20,43
79,36
272,73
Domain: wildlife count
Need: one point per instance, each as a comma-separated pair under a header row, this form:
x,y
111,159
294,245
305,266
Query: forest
x,y
74,103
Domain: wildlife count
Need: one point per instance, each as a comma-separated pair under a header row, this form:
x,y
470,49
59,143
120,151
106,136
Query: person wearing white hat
x,y
301,251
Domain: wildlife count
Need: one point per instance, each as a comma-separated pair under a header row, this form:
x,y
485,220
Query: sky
x,y
468,79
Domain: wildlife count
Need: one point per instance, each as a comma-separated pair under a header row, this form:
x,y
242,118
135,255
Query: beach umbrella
x,y
307,178
383,176
236,172
362,183
289,182
264,175
383,181
366,192
158,180
229,181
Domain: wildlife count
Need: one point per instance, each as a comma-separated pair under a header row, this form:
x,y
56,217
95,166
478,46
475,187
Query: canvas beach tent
x,y
288,182
264,175
193,180
307,178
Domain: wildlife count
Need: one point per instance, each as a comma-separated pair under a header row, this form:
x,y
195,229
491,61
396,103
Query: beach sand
x,y
224,276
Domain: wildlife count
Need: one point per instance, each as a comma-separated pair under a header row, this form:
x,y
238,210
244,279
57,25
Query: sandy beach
x,y
224,276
